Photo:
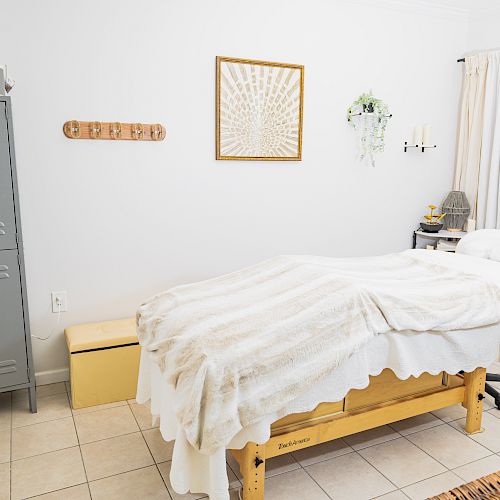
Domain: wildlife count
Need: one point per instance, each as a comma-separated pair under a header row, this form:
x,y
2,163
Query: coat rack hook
x,y
137,131
157,132
95,130
72,129
115,130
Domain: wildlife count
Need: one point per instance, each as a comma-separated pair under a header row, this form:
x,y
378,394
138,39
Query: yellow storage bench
x,y
104,362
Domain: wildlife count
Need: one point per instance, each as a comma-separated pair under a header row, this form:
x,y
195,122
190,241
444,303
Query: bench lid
x,y
99,335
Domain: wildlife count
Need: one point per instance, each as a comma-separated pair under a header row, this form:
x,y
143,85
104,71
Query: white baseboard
x,y
52,376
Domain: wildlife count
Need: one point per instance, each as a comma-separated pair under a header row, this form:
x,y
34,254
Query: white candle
x,y
471,225
426,139
418,135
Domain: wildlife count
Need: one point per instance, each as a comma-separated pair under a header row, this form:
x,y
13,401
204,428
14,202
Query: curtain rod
x,y
461,60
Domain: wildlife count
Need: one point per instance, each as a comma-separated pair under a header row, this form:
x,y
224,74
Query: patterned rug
x,y
484,488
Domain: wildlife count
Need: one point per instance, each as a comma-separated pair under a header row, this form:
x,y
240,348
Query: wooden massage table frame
x,y
387,399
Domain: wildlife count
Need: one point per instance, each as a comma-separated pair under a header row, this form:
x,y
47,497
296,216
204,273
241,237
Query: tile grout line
x,y
434,458
314,480
56,491
41,422
68,394
421,480
44,453
74,446
469,463
110,437
381,473
420,430
344,454
38,399
149,449
79,445
163,480
90,409
399,491
351,449
429,455
118,474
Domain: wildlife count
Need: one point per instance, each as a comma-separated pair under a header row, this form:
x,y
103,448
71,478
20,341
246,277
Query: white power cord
x,y
53,329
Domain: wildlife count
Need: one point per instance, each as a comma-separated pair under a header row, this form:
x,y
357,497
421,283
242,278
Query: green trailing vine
x,y
369,116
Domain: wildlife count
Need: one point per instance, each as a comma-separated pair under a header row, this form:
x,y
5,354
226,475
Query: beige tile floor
x,y
113,452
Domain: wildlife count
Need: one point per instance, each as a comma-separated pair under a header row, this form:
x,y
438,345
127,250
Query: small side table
x,y
443,234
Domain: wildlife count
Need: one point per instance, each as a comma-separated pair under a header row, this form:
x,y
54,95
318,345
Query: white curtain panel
x,y
488,209
478,152
470,133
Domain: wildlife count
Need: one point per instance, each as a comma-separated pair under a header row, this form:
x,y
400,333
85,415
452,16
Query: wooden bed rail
x,y
252,458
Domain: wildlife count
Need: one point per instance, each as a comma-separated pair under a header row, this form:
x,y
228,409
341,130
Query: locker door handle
x,y
3,267
4,275
2,224
2,232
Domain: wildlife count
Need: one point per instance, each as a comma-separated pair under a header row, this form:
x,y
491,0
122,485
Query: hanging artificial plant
x,y
369,116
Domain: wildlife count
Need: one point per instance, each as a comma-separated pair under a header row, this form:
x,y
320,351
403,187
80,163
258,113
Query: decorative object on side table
x,y
457,210
433,224
369,116
259,110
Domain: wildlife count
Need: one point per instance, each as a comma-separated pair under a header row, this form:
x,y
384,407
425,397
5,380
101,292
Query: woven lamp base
x,y
457,209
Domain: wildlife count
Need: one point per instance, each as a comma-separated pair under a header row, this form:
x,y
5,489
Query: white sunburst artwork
x,y
259,110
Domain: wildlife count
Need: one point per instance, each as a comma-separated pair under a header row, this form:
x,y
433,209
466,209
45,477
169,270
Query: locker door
x,y
13,362
7,220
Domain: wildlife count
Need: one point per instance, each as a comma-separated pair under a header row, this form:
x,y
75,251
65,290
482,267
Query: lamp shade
x,y
457,209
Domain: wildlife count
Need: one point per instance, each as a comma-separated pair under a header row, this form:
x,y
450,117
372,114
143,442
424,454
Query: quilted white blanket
x,y
244,345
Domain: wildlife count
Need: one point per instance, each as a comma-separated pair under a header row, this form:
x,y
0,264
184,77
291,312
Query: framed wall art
x,y
259,110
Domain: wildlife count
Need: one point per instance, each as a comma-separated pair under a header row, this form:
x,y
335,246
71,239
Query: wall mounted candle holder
x,y
423,147
116,131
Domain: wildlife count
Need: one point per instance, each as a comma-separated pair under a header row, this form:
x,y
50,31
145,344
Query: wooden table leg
x,y
474,394
253,469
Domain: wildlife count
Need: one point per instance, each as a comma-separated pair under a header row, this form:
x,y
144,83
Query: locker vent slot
x,y
8,366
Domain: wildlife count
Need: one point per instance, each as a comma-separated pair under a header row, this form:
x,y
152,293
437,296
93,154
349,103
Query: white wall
x,y
483,28
114,222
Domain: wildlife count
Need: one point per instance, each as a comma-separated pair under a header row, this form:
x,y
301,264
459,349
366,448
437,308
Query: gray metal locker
x,y
16,362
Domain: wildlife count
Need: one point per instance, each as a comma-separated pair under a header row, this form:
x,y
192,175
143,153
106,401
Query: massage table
x,y
397,375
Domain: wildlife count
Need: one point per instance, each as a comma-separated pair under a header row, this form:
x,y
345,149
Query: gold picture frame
x,y
259,110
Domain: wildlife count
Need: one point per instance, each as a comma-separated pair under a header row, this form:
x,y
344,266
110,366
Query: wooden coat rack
x,y
117,131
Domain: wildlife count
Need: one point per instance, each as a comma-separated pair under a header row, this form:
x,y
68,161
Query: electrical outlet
x,y
59,301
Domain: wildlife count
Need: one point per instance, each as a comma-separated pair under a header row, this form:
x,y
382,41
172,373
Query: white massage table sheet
x,y
405,353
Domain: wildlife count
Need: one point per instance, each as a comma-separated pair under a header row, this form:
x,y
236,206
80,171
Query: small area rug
x,y
483,488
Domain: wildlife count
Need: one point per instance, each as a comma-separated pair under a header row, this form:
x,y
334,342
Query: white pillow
x,y
484,243
495,254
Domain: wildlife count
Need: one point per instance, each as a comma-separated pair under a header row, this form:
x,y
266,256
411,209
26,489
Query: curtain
x,y
470,133
477,170
488,213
